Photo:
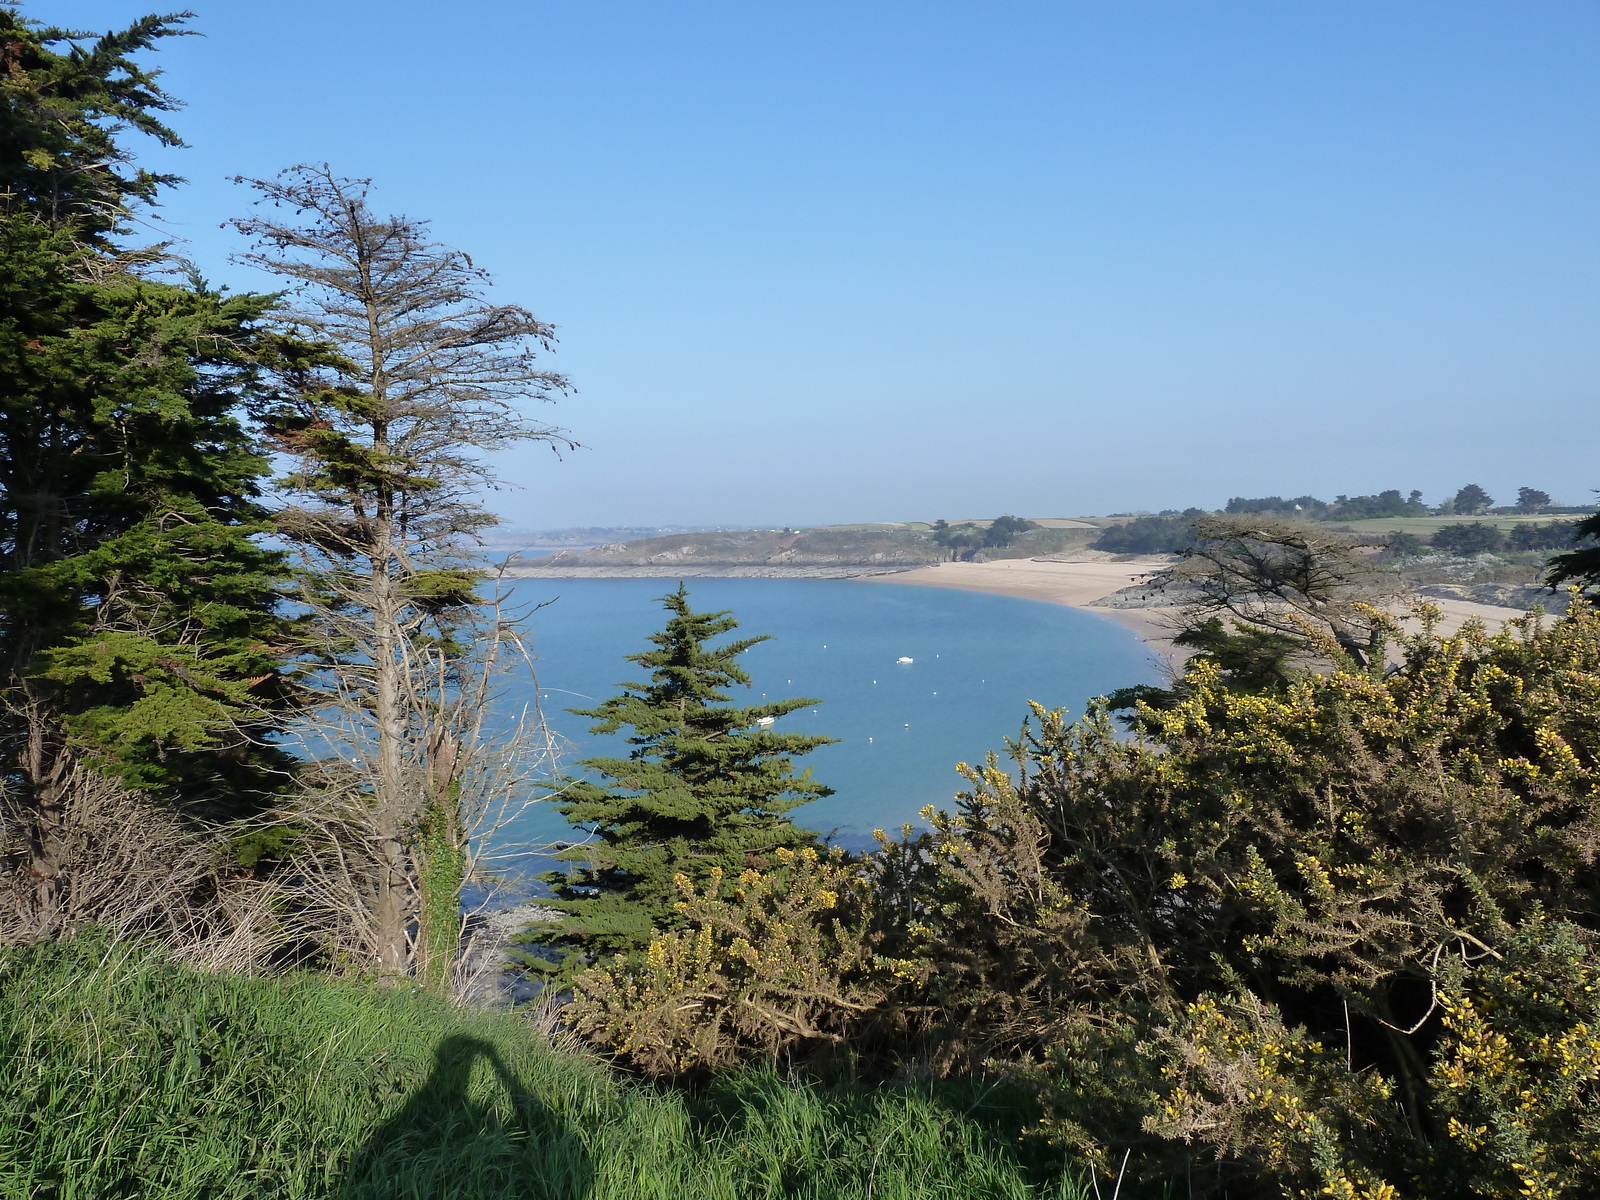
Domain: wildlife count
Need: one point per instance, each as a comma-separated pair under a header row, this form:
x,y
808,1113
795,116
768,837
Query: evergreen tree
x,y
1471,499
138,623
1581,566
708,785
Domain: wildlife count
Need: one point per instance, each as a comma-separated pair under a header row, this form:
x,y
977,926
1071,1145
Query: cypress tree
x,y
708,784
139,629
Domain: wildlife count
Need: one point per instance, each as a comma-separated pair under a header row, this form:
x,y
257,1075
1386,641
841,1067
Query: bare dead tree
x,y
1289,577
395,377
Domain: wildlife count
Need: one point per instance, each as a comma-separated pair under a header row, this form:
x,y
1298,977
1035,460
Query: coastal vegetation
x,y
1317,919
704,791
1331,935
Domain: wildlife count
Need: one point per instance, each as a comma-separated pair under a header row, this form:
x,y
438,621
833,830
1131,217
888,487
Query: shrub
x,y
1289,874
1147,535
765,964
1467,538
1553,535
1401,545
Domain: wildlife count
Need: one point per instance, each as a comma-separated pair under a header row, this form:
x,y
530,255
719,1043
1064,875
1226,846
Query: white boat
x,y
905,661
764,721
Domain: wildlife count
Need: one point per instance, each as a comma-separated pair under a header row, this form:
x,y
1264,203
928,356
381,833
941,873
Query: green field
x,y
122,1075
1425,526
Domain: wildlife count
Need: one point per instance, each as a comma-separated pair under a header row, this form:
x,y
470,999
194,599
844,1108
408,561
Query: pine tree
x,y
139,631
707,785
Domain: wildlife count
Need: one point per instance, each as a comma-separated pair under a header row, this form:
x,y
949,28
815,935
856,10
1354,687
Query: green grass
x,y
124,1076
1427,526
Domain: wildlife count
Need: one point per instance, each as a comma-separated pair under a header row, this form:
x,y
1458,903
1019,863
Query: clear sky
x,y
824,261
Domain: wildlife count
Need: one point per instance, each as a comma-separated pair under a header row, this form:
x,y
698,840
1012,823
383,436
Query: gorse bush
x,y
1305,869
1327,938
766,964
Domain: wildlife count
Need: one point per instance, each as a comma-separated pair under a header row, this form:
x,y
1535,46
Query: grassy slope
x,y
124,1076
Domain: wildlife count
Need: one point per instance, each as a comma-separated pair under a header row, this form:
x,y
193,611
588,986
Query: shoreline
x,y
1080,584
714,571
1071,584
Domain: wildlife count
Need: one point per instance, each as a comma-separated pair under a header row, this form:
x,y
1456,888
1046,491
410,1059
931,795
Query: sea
x,y
975,662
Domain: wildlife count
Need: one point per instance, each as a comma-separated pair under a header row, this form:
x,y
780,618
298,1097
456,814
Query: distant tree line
x,y
966,539
1467,501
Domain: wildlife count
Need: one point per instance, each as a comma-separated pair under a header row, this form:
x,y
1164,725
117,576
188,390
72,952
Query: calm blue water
x,y
978,660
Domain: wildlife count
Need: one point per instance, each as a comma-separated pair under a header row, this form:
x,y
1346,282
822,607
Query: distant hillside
x,y
831,551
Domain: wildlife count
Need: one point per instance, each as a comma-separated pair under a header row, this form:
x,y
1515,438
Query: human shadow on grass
x,y
454,1139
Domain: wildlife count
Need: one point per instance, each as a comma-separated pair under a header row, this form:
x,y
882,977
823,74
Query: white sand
x,y
1077,584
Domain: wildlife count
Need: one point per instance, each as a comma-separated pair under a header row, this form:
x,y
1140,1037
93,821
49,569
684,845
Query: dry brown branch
x,y
131,866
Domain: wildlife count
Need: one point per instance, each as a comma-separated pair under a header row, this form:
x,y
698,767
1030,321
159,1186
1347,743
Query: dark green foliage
x,y
961,540
1553,535
62,105
137,616
1470,499
1147,535
1002,530
1582,565
705,787
1467,538
1385,504
1303,506
123,1075
1403,545
1532,499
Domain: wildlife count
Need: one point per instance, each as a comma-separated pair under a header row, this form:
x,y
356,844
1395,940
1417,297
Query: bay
x,y
976,661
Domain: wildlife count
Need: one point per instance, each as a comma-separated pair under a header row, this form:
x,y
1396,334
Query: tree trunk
x,y
393,915
46,765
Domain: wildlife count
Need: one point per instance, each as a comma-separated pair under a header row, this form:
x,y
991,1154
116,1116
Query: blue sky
x,y
822,262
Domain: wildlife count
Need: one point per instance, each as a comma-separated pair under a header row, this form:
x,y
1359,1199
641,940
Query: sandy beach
x,y
1080,584
1074,584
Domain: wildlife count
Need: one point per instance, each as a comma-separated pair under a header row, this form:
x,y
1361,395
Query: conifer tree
x,y
707,785
1579,567
139,631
